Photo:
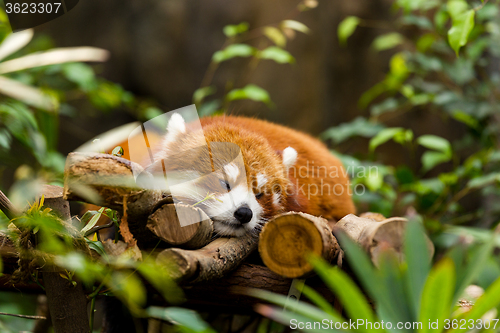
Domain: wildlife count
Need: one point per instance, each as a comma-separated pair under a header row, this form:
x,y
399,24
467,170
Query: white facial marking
x,y
232,171
261,180
222,213
289,157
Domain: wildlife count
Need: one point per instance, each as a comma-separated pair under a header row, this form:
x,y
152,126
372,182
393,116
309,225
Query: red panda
x,y
281,170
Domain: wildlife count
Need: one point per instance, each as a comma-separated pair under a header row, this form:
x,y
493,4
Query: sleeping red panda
x,y
281,170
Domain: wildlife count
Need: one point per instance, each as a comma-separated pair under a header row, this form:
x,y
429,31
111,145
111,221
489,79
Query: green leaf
x,y
304,309
295,25
275,35
475,265
129,288
234,50
465,118
484,180
437,295
5,138
425,42
418,261
462,23
456,8
201,93
346,28
93,221
158,276
358,127
384,136
97,247
432,158
398,65
180,317
320,302
355,303
250,91
436,143
387,41
233,30
286,318
277,54
81,74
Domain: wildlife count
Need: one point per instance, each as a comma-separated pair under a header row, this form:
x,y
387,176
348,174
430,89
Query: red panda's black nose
x,y
243,214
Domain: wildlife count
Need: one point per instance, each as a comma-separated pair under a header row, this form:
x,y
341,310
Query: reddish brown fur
x,y
261,142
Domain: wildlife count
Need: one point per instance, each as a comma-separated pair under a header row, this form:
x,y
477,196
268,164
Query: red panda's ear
x,y
289,157
176,126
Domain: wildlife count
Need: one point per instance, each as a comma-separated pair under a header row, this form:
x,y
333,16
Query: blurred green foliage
x,y
409,293
445,62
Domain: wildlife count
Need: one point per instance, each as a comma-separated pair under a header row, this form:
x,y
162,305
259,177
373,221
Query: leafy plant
x,y
442,64
271,41
408,296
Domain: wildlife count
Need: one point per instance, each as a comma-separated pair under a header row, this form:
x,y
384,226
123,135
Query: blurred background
x,y
407,88
162,50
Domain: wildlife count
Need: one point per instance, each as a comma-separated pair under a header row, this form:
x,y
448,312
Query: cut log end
x,y
181,225
287,239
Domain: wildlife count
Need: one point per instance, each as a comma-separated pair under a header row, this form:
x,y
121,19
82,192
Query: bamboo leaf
x,y
437,295
54,56
355,303
15,42
418,261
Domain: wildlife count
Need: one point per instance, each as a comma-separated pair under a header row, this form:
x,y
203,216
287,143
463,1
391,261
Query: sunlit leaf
x,y
201,93
487,179
346,28
275,35
233,30
387,41
462,23
277,54
435,142
54,56
27,94
15,42
432,158
295,25
233,50
250,91
93,221
384,135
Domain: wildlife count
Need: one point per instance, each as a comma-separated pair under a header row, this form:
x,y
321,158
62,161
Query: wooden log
x,y
106,180
376,237
211,262
67,302
111,178
287,238
165,223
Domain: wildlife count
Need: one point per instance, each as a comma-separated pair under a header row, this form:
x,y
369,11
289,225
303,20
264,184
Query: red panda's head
x,y
232,174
